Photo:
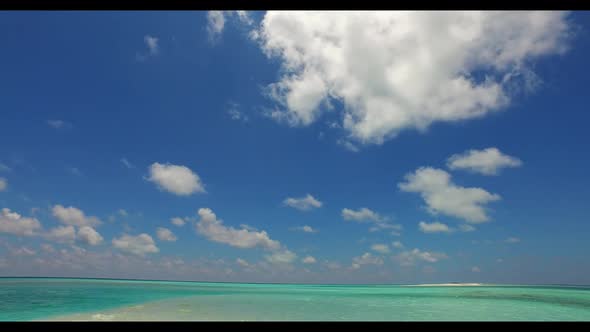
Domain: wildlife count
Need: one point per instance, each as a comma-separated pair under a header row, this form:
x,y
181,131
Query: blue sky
x,y
222,117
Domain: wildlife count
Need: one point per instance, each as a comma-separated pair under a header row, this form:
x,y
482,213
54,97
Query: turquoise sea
x,y
24,299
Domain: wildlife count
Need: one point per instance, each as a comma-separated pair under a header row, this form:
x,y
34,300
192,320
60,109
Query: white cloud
x,y
242,262
365,215
512,240
397,244
152,44
139,245
499,260
366,259
4,168
3,184
466,228
306,229
235,113
58,124
46,247
216,20
215,23
475,269
177,179
362,215
127,164
281,257
62,234
74,216
410,257
75,171
434,227
14,223
164,234
122,212
303,203
23,251
88,235
348,145
380,248
309,260
486,162
214,230
397,70
443,196
176,221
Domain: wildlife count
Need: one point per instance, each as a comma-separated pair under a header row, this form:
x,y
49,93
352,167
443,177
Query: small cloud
x,y
434,227
306,229
176,221
177,179
4,168
235,113
139,245
380,248
164,234
14,223
408,258
397,244
309,260
215,24
466,228
512,240
366,259
123,212
214,229
153,48
348,145
3,184
485,162
152,44
475,269
303,203
75,171
499,260
242,262
74,216
89,235
59,124
442,196
284,256
127,163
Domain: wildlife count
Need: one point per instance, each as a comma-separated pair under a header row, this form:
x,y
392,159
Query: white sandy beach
x,y
449,285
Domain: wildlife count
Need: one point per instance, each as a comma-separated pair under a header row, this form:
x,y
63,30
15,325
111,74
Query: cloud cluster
x,y
176,179
3,184
403,69
443,196
487,162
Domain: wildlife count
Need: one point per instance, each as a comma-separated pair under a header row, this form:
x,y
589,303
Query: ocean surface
x,y
24,299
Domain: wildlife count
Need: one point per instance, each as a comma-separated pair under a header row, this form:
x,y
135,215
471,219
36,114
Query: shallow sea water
x,y
23,299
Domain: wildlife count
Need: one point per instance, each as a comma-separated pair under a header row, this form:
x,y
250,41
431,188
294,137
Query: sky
x,y
324,147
